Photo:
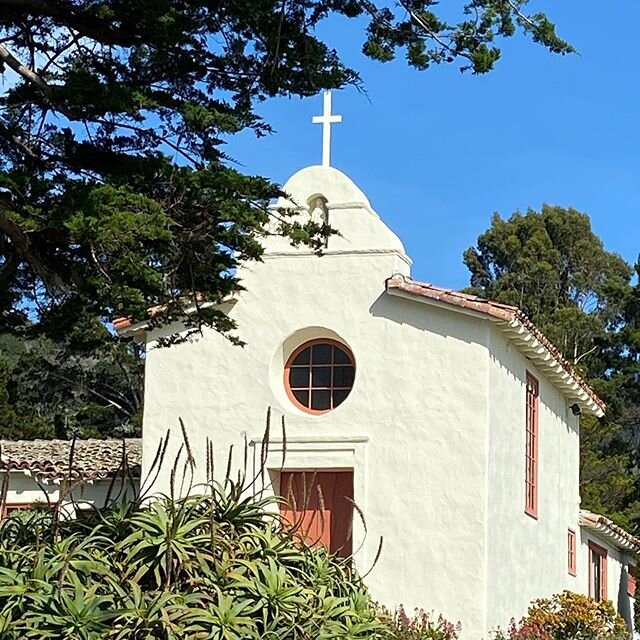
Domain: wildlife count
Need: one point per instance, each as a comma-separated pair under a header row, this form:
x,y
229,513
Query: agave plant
x,y
212,564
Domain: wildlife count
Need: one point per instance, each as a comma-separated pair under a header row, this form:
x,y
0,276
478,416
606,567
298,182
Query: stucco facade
x,y
23,490
525,551
433,429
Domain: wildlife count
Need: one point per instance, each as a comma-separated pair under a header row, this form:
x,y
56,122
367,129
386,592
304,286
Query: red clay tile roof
x,y
92,459
605,527
505,313
119,324
122,323
125,322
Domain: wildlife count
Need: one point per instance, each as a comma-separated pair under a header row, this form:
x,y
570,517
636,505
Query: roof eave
x,y
572,387
128,327
605,528
132,330
51,477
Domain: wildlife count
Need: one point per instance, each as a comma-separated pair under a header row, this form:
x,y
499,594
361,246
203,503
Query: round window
x,y
319,375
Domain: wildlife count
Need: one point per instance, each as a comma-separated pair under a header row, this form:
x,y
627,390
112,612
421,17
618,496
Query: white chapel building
x,y
450,421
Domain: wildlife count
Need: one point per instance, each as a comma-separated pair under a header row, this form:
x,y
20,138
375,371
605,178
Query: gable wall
x,y
527,557
414,426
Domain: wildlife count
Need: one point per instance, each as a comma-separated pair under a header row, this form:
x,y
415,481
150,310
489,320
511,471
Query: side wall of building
x,y
527,556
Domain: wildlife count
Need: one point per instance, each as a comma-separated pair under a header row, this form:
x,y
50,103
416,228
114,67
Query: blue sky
x,y
437,152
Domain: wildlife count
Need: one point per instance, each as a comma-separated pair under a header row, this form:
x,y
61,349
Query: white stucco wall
x,y
523,551
404,428
23,489
413,428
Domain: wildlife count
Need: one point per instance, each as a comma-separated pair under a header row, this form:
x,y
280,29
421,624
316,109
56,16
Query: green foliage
x,y
115,192
567,616
85,385
215,565
607,479
552,265
17,420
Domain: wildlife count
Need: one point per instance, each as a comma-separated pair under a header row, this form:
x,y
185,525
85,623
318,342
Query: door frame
x,y
322,453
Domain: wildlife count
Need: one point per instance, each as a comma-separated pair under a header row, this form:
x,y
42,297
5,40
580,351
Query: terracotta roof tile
x,y
92,459
605,527
124,322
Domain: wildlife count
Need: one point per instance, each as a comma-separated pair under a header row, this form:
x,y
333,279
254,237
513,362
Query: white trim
x,y
272,255
331,206
310,440
353,205
532,348
604,529
143,325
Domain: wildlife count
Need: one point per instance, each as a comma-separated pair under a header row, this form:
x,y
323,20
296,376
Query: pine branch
x,y
21,69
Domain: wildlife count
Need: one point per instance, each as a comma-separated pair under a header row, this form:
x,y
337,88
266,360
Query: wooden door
x,y
320,505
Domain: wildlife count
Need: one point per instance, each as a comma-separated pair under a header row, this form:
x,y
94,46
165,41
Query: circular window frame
x,y
294,354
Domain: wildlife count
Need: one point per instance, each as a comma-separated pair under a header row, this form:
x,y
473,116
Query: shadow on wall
x,y
429,318
555,402
624,601
178,332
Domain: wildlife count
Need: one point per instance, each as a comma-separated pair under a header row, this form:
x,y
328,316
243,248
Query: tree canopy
x,y
85,386
115,192
555,268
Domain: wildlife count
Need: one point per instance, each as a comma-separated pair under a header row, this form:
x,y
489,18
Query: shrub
x,y
420,626
568,616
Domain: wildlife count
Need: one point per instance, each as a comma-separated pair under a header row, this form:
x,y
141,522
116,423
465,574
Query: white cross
x,y
326,120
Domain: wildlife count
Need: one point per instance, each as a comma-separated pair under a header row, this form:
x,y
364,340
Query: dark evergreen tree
x,y
73,388
115,192
552,265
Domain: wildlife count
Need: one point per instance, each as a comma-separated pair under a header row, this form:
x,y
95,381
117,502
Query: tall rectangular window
x,y
531,448
597,572
631,580
571,550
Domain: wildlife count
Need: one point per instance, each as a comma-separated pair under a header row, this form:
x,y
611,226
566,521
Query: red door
x,y
320,505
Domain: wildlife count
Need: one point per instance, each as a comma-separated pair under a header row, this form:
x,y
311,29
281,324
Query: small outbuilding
x,y
75,473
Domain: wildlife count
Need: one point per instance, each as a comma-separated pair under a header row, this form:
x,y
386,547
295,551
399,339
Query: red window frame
x,y
596,551
8,508
331,388
531,446
571,552
631,580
